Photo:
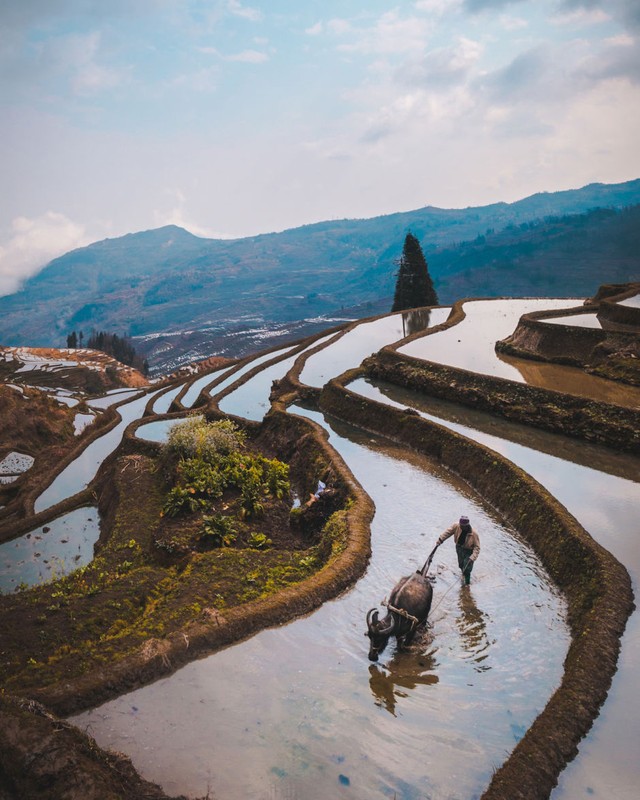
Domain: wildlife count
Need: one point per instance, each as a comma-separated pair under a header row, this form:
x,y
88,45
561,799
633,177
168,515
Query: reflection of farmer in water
x,y
467,545
472,624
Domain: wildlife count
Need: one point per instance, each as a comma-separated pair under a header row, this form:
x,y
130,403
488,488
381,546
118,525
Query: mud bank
x,y
44,757
597,586
604,423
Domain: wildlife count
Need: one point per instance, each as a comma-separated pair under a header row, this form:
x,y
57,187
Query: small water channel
x,y
251,399
231,375
299,711
82,470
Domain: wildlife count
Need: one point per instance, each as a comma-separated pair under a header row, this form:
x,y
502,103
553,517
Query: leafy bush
x,y
181,500
205,478
218,530
197,438
259,541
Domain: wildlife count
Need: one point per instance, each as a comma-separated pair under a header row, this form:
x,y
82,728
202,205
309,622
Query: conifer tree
x,y
414,287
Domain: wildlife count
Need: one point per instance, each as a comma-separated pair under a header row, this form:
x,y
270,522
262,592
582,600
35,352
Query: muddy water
x,y
81,471
50,551
365,339
299,711
602,491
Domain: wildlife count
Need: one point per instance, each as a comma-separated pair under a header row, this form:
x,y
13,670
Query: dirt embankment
x,y
603,423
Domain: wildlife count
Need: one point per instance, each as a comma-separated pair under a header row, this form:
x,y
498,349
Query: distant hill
x,y
169,280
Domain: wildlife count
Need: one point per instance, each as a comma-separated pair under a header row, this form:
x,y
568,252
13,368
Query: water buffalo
x,y
408,607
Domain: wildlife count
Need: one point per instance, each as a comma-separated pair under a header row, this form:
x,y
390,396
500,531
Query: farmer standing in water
x,y
467,545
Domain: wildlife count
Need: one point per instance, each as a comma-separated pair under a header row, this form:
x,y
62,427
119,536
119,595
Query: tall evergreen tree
x,y
414,287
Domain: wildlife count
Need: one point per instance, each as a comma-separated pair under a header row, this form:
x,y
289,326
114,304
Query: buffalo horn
x,y
371,621
388,631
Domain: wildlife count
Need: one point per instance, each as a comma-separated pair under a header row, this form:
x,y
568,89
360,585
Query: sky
x,y
233,118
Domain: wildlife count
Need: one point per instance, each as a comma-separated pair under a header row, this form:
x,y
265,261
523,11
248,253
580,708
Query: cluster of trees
x,y
414,287
119,347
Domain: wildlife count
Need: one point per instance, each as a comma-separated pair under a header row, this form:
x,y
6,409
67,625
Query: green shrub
x,y
218,530
181,500
259,541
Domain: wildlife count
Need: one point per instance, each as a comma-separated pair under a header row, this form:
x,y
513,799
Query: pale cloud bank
x,y
33,243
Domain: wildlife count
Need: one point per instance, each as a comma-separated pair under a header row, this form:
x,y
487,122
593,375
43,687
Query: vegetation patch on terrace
x,y
203,527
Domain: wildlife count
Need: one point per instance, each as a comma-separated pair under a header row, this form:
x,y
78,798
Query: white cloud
x,y
77,56
315,30
391,34
581,17
248,57
437,7
33,243
238,10
178,216
510,23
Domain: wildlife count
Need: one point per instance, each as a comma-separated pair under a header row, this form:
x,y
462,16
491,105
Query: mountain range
x,y
181,296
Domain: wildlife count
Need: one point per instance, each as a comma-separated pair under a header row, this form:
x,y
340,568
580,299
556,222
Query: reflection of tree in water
x,y
416,320
472,625
403,672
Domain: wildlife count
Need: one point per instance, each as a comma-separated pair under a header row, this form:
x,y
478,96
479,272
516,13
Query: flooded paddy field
x,y
601,489
300,712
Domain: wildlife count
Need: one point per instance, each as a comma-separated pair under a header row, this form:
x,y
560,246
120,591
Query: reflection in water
x,y
80,472
572,380
51,551
416,320
575,320
251,399
470,344
401,674
472,624
364,339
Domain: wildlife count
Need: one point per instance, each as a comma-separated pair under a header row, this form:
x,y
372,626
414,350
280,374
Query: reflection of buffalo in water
x,y
408,608
400,677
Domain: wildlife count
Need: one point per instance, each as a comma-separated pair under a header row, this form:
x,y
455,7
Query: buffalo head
x,y
379,631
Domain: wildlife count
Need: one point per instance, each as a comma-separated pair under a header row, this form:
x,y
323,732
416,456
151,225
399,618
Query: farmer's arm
x,y
476,547
446,534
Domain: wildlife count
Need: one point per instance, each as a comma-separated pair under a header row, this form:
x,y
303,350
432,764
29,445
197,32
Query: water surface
x,y
607,504
50,551
366,338
82,470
